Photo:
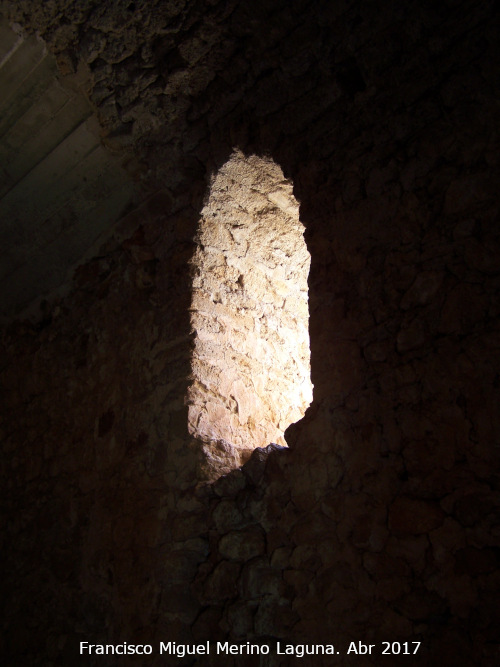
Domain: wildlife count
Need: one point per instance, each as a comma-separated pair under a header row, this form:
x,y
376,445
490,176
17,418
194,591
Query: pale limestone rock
x,y
249,308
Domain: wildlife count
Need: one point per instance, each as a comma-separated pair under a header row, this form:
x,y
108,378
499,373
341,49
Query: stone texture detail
x,y
251,368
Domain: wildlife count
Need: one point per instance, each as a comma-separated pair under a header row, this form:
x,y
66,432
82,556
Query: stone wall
x,y
379,522
61,190
251,373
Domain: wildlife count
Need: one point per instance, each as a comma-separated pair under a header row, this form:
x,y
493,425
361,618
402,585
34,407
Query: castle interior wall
x,y
379,521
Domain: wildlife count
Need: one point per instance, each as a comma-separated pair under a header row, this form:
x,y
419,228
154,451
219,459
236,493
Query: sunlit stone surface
x,y
251,370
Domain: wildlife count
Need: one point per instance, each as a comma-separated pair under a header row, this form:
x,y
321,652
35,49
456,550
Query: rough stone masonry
x,y
379,522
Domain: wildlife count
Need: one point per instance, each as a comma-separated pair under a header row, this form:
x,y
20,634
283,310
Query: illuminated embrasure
x,y
251,361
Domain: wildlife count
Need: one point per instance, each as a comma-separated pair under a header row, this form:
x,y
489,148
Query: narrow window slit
x,y
251,358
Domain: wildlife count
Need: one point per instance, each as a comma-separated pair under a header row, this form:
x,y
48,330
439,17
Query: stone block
x,y
410,516
221,583
242,545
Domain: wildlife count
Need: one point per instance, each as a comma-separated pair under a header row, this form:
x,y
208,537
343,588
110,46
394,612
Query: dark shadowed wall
x,y
380,522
